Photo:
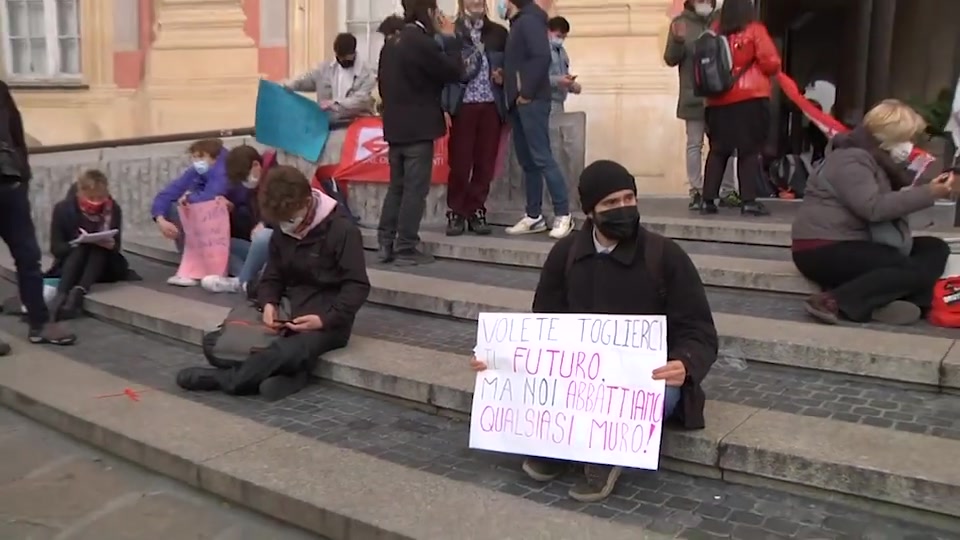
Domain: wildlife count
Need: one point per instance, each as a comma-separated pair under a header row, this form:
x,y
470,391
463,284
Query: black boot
x,y
754,208
385,253
72,307
455,224
708,208
198,379
478,223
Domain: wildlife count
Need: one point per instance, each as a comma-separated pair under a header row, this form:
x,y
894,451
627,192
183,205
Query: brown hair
x,y
239,161
206,147
92,179
286,192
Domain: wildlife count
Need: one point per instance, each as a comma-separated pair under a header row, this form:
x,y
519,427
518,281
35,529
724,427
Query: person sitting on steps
x,y
615,266
851,236
316,261
87,208
204,180
246,170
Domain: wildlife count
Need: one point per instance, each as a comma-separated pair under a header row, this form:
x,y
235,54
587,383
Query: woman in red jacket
x,y
739,120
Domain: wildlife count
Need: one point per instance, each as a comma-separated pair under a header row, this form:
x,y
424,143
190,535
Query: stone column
x,y
881,49
201,43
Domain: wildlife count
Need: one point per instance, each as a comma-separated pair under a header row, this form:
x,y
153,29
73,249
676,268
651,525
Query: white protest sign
x,y
575,387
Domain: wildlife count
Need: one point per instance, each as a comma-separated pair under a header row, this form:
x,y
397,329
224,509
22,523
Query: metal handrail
x,y
138,141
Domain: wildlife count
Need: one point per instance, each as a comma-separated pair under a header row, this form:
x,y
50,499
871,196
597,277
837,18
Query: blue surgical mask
x,y
502,9
201,166
556,41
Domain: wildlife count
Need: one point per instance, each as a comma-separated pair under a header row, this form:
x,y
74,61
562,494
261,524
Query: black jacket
x,y
324,274
494,39
412,73
11,130
526,69
619,284
65,224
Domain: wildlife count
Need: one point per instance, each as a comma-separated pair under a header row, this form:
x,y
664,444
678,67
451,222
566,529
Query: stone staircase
x,y
863,415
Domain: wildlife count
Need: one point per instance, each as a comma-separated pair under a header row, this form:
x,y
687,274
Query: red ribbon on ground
x,y
133,395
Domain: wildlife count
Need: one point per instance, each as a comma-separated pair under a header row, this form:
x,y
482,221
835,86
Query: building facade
x,y
107,69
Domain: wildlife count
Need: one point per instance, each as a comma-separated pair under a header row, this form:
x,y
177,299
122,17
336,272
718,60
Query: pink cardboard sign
x,y
206,231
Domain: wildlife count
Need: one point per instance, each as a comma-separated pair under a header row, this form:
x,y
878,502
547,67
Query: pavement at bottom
x,y
54,488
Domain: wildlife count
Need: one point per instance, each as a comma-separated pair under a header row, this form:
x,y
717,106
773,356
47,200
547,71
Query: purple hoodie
x,y
202,187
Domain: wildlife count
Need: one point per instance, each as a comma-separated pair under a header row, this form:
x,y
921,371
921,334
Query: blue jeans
x,y
671,398
247,258
530,124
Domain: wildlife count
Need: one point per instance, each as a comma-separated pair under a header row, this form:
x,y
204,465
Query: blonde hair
x,y
892,121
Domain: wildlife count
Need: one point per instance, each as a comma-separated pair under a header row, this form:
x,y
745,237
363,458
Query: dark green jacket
x,y
677,53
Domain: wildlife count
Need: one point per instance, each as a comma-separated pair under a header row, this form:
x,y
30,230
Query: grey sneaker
x,y
52,334
543,469
413,257
898,312
597,483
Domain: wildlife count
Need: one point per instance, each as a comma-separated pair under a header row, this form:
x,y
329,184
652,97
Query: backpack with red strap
x,y
945,309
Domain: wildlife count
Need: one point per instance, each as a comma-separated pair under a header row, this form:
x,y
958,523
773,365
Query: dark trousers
x,y
18,232
88,264
474,141
748,173
411,167
864,276
288,355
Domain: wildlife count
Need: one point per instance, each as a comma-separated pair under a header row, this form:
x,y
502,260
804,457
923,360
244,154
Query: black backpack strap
x,y
653,245
570,259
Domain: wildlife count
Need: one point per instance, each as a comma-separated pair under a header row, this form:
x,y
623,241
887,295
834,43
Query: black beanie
x,y
600,179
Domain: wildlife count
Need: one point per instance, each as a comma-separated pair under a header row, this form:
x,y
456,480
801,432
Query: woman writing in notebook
x,y
85,243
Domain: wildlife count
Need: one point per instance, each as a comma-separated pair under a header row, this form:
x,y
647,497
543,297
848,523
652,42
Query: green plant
x,y
936,112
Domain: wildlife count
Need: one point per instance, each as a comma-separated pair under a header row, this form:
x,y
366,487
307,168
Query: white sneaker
x,y
528,225
562,226
218,284
179,281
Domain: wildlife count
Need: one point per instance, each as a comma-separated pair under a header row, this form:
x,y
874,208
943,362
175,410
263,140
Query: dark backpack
x,y
241,334
652,259
713,65
790,174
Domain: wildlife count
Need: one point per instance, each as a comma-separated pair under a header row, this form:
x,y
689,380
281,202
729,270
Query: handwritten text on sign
x,y
206,246
575,387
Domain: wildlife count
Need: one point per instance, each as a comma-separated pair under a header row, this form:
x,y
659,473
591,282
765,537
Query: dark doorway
x,y
823,42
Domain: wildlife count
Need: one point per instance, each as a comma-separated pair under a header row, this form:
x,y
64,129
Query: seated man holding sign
x,y
315,262
85,243
628,279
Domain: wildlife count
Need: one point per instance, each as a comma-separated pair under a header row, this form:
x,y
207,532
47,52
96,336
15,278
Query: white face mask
x,y
703,10
900,152
290,226
251,182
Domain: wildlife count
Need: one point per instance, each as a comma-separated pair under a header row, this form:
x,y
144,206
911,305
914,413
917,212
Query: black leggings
x,y
89,264
864,276
748,173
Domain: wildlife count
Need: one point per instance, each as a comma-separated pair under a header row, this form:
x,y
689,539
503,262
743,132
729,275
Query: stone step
x,y
896,357
330,491
759,274
730,228
742,444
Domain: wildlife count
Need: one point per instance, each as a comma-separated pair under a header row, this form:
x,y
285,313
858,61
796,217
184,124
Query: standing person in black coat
x,y
613,266
17,229
87,208
412,74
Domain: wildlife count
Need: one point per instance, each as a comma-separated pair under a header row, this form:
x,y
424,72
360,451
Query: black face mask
x,y
619,223
346,63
